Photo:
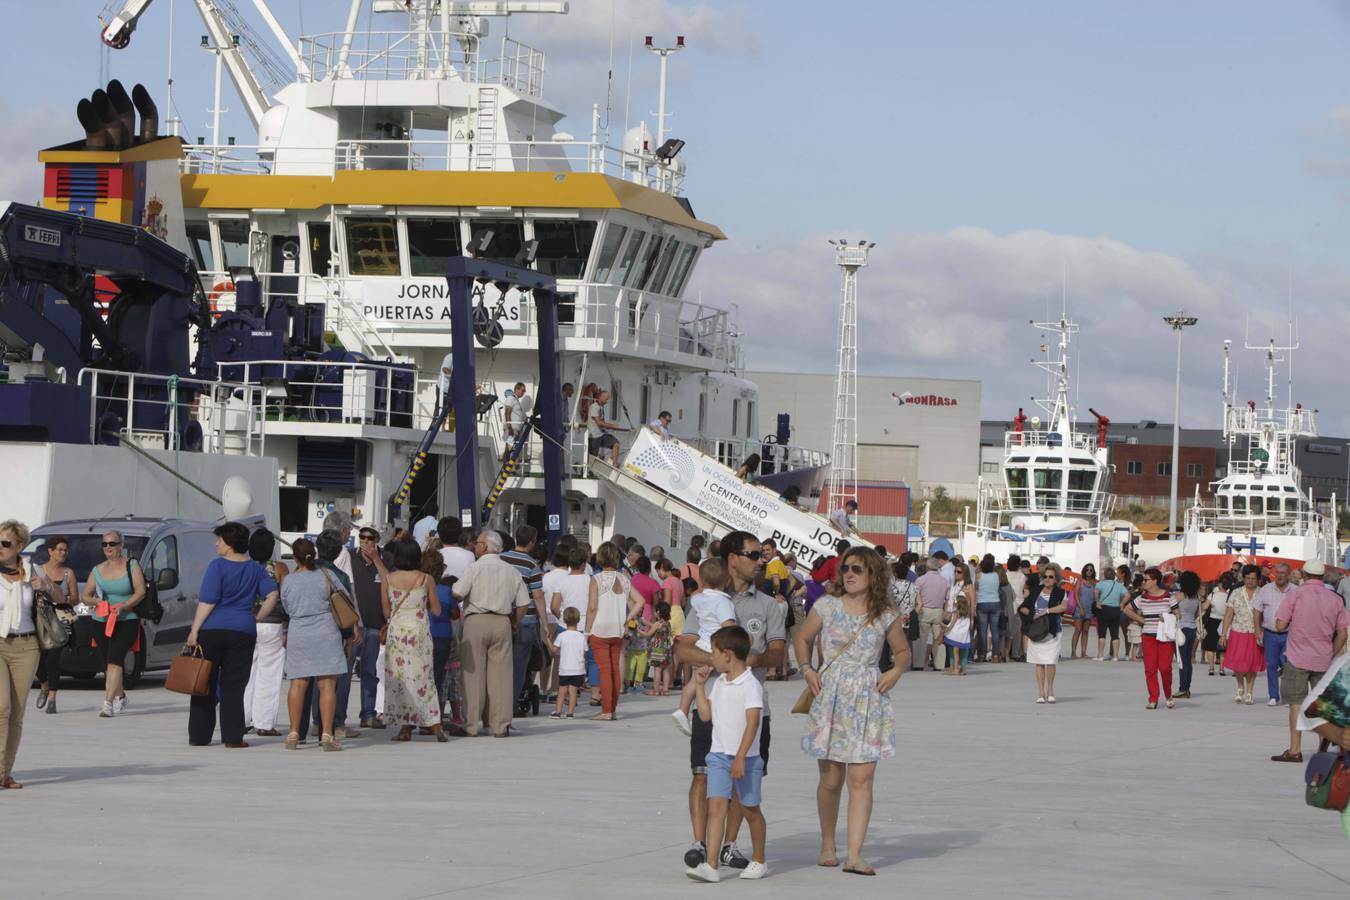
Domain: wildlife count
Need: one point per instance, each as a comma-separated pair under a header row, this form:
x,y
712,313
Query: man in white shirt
x,y
424,526
842,518
454,549
661,424
443,379
945,568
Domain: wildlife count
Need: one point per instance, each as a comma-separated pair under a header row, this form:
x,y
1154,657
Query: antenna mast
x,y
843,484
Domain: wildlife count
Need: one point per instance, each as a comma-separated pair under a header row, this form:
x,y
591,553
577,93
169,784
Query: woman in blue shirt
x,y
225,629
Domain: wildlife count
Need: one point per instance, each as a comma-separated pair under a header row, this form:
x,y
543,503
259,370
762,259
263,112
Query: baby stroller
x,y
527,704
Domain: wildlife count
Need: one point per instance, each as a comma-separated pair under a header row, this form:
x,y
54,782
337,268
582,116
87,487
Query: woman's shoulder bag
x,y
341,605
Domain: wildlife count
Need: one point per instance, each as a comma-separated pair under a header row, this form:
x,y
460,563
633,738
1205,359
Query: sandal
x,y
1286,756
9,784
330,743
828,859
441,736
859,868
268,732
403,735
292,741
603,717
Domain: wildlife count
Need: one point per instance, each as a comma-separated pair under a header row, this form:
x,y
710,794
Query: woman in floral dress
x,y
852,721
410,698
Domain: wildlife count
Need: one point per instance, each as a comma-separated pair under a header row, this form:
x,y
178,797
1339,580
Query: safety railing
x,y
422,56
1030,440
431,155
996,504
1301,521
154,411
1253,420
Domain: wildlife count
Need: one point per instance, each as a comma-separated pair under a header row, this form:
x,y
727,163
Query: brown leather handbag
x,y
344,610
189,673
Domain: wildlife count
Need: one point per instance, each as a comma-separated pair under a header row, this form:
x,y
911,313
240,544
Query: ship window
x,y
431,244
1273,505
1290,505
735,414
1239,505
1019,459
320,252
663,269
645,402
1222,503
1272,487
1081,484
1048,483
609,251
233,242
507,237
372,246
1081,461
564,247
1289,489
630,253
199,241
749,418
1047,459
682,270
648,267
1017,487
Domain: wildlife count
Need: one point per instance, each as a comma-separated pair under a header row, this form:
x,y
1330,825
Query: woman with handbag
x,y
852,719
18,645
1040,613
1147,610
58,583
410,698
313,642
114,589
225,627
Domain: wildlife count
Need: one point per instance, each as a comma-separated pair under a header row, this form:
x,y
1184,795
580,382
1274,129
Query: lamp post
x,y
1178,321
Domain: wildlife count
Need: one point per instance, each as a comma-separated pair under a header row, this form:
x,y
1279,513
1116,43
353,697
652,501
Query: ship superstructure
x,y
1053,499
1259,512
390,153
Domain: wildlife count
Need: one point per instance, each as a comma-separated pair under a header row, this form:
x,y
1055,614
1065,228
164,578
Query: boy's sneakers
x,y
755,870
696,854
682,722
733,857
704,872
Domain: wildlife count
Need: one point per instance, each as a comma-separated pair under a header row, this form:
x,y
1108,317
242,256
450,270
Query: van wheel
x,y
133,667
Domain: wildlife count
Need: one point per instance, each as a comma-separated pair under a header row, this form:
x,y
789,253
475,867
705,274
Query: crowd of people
x,y
457,631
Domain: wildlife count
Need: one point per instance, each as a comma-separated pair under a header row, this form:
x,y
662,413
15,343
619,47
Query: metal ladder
x,y
351,322
485,131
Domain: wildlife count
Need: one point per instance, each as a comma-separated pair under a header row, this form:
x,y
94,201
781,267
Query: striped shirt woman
x,y
1147,609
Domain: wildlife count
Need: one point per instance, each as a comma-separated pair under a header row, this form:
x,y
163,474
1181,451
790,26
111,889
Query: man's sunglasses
x,y
855,568
112,543
751,555
370,537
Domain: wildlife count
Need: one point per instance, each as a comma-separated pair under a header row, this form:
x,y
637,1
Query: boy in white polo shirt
x,y
734,706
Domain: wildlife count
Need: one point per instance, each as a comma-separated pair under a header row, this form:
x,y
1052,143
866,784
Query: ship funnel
x,y
95,137
118,137
122,104
149,112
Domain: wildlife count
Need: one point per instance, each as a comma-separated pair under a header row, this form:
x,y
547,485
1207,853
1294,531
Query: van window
x,y
431,243
564,246
372,246
86,551
164,556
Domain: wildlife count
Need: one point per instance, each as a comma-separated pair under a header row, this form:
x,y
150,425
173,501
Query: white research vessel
x,y
389,152
1259,513
1052,500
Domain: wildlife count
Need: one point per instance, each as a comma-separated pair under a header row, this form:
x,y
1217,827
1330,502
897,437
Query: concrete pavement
x,y
991,796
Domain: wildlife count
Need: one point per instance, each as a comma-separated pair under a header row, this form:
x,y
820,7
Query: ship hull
x,y
1209,566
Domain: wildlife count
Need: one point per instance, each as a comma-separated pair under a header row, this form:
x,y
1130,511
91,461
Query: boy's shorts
x,y
575,681
720,781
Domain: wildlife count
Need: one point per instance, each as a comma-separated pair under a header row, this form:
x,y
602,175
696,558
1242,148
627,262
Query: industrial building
x,y
922,431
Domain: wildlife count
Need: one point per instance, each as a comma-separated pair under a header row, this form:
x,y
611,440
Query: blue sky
x,y
1151,154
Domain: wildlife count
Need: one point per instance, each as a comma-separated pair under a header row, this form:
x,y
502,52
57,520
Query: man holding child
x,y
765,622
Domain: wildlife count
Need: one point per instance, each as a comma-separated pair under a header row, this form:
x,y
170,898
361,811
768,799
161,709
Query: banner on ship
x,y
426,301
703,482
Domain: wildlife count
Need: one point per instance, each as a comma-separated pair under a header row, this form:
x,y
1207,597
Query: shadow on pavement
x,y
798,851
94,773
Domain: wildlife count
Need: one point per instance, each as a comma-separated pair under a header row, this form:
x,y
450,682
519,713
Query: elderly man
x,y
492,600
932,588
1264,605
1315,620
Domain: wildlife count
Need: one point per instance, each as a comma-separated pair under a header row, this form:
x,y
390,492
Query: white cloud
x,y
958,304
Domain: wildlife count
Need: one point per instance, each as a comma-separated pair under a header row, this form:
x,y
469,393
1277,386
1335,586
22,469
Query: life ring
x,y
218,291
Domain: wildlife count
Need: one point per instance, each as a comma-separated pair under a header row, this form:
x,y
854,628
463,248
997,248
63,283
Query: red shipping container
x,y
883,513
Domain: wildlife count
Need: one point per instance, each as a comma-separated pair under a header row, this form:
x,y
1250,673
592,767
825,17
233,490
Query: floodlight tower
x,y
844,447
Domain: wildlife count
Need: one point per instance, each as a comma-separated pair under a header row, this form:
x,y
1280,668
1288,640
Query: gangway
x,y
684,482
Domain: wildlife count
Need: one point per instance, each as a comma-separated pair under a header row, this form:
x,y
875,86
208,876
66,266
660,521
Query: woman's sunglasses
x,y
6,544
855,568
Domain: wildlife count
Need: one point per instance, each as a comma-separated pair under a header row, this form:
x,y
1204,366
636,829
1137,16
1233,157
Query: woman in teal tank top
x,y
121,584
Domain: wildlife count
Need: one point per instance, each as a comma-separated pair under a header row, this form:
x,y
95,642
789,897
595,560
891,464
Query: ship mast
x,y
1056,404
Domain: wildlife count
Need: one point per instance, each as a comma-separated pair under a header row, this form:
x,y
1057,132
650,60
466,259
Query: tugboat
x,y
1053,498
1260,514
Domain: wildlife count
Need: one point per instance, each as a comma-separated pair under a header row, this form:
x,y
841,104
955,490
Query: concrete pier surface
x,y
990,795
